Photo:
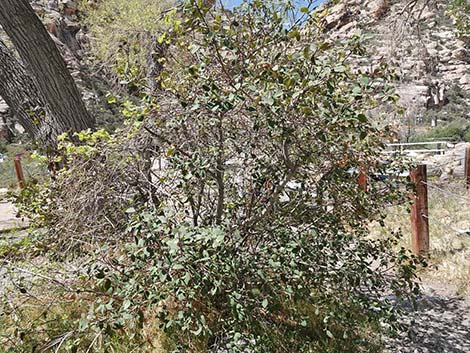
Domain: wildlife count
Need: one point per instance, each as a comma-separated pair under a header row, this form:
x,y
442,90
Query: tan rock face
x,y
461,54
5,132
61,21
52,28
465,80
378,8
419,42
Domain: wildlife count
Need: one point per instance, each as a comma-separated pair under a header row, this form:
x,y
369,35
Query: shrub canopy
x,y
244,228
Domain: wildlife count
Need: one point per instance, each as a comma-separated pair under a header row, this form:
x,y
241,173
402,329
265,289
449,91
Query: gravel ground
x,y
441,324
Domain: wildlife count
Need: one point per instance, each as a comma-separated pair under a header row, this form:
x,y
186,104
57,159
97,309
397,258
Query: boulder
x,y
378,8
465,80
5,131
461,54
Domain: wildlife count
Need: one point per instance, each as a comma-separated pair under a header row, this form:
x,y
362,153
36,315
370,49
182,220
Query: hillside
x,y
419,40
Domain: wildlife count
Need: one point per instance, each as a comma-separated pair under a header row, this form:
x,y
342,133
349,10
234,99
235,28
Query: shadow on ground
x,y
441,324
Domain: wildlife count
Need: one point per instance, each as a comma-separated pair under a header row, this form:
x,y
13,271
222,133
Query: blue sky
x,y
232,3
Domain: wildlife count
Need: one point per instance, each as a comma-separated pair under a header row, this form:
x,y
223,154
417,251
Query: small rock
x,y
461,54
465,80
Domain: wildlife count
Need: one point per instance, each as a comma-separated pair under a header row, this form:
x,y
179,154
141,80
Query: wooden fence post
x,y
419,211
362,180
467,168
19,172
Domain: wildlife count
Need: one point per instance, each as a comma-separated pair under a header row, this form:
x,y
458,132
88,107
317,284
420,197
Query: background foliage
x,y
124,34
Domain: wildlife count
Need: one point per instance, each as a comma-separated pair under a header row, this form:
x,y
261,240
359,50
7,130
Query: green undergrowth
x,y
458,130
45,322
12,247
33,169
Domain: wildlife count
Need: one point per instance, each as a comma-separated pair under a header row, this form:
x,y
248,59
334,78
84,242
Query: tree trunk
x,y
48,70
155,52
20,94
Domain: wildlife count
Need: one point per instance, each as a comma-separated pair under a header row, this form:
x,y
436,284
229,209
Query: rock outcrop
x,y
447,165
417,38
5,132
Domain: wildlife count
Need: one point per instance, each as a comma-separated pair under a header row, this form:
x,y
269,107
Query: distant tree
x,y
460,11
128,41
45,71
125,41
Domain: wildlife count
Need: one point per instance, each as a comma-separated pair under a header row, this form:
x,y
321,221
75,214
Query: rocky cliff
x,y
419,40
416,37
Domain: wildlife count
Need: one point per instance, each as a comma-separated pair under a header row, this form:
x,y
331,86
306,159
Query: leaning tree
x,y
20,92
44,81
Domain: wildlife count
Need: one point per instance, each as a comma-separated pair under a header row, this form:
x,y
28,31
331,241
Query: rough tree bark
x,y
56,87
155,51
19,91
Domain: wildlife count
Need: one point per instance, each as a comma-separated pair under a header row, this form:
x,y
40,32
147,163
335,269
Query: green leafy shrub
x,y
459,10
288,294
104,176
228,217
457,130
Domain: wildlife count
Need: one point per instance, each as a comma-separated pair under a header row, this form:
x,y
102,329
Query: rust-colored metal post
x,y
19,172
362,180
467,168
419,212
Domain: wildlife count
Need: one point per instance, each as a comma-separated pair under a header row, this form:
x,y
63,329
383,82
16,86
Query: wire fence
x,y
448,192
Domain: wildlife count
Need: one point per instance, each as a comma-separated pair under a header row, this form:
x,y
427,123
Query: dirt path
x,y
441,323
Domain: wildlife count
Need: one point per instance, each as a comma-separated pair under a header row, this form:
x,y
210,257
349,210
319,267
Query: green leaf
x,y
161,39
82,323
126,304
362,118
170,152
340,68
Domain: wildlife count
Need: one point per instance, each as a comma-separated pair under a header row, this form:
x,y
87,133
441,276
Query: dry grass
x,y
39,314
449,229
